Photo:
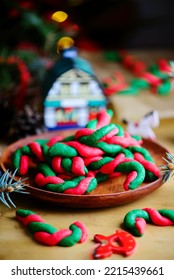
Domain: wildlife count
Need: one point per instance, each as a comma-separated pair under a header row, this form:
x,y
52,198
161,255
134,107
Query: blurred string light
x,y
65,43
59,16
65,24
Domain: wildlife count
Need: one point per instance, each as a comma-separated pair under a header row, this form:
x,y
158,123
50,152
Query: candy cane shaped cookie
x,y
46,176
90,136
83,150
136,173
108,166
109,149
79,185
61,149
96,163
124,141
152,171
73,165
99,137
135,220
103,118
144,152
143,156
21,161
21,156
152,77
54,140
49,235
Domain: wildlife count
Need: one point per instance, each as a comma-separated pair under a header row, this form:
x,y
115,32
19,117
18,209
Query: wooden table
x,y
157,242
16,242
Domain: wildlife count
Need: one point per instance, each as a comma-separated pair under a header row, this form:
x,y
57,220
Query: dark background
x,y
127,23
111,23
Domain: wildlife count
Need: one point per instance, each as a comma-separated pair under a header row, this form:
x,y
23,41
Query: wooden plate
x,y
108,193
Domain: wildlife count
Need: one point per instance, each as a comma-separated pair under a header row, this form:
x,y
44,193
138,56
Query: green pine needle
x,y
167,169
8,185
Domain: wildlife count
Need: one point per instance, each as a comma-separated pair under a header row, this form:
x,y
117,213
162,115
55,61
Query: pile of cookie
x,y
78,163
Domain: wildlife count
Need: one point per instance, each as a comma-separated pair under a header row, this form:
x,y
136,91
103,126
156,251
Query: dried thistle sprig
x,y
9,185
167,169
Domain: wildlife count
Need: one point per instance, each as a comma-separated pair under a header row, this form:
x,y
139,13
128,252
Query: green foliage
x,y
19,24
9,76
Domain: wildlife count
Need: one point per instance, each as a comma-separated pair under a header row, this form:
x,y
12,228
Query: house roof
x,y
64,64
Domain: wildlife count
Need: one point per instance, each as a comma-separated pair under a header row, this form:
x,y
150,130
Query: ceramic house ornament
x,y
73,94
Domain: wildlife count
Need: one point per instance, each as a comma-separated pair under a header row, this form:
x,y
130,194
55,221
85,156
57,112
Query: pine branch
x,y
167,169
9,185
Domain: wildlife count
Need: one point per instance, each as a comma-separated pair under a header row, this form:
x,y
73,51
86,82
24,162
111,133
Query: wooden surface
x,y
156,244
144,101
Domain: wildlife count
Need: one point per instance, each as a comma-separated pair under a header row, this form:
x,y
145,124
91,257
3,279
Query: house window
x,y
75,88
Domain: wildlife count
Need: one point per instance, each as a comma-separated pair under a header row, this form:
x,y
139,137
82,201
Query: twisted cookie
x,y
135,220
78,185
21,157
49,235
